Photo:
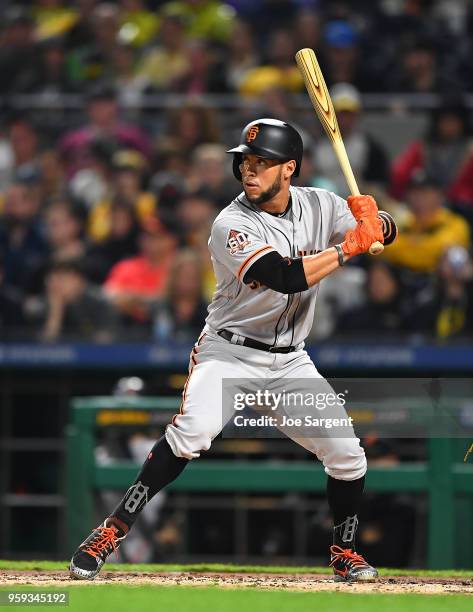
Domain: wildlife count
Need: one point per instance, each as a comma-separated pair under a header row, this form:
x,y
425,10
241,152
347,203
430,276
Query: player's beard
x,y
267,195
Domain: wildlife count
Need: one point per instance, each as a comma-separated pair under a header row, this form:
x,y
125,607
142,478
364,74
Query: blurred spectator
x,y
429,230
205,19
82,31
169,183
103,123
24,139
171,162
74,310
242,54
64,228
93,182
280,69
369,160
405,21
179,65
22,243
308,175
165,64
129,85
208,172
445,152
23,142
129,172
196,213
341,61
49,75
276,103
307,29
53,181
420,72
52,18
384,311
445,310
453,14
133,282
126,186
138,24
91,60
206,72
307,170
190,126
121,242
267,14
180,314
17,50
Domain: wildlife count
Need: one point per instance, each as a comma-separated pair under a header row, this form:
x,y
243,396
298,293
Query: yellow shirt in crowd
x,y
99,217
419,248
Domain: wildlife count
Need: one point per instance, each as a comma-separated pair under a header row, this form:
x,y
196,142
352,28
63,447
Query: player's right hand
x,y
359,239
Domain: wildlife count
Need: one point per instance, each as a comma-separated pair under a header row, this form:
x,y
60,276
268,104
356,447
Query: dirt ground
x,y
306,582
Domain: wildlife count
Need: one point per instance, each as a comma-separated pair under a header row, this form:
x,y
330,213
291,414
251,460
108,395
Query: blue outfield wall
x,y
335,355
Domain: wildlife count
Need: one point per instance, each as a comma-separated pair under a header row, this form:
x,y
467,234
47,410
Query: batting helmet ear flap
x,y
237,158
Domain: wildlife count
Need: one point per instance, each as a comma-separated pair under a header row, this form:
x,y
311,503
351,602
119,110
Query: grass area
x,y
224,568
202,599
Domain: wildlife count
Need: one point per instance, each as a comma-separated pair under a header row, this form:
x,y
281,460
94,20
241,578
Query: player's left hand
x,y
362,206
358,240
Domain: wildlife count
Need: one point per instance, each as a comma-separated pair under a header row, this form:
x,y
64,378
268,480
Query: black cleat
x,y
88,559
348,566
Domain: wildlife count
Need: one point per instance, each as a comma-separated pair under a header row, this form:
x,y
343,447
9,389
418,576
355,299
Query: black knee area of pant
x,y
344,497
160,468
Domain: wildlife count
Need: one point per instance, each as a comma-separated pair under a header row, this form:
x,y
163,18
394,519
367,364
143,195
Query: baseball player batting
x,y
270,249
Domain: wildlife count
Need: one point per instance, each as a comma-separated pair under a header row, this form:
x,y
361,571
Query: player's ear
x,y
289,168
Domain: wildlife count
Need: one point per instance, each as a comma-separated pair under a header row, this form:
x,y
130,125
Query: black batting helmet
x,y
269,138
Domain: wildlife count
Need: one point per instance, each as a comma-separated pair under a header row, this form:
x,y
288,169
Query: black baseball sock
x,y
160,468
344,499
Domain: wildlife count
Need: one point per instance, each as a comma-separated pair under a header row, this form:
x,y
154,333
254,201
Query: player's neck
x,y
279,203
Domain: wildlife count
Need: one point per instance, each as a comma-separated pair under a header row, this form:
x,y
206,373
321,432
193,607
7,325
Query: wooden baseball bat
x,y
322,103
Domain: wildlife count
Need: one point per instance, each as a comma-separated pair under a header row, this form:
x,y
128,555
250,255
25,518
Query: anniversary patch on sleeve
x,y
236,241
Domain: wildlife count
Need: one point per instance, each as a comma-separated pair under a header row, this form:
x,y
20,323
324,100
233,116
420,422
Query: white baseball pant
x,y
200,418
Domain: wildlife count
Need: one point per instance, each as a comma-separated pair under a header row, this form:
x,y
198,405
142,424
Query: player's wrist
x,y
343,255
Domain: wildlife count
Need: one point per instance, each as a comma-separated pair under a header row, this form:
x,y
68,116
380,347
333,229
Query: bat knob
x,y
376,248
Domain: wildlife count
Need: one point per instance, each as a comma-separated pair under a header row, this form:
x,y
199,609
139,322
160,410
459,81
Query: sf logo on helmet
x,y
252,133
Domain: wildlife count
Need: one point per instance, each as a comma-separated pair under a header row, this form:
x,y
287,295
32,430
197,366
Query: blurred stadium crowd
x,y
109,184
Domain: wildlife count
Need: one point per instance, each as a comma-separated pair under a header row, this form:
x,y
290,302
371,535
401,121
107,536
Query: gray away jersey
x,y
241,234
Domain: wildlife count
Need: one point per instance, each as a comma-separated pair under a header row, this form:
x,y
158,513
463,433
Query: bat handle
x,y
376,248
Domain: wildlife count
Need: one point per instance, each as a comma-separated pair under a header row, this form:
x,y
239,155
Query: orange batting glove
x,y
359,239
362,206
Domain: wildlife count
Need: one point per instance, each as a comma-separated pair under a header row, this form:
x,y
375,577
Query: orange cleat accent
x,y
105,541
88,559
349,566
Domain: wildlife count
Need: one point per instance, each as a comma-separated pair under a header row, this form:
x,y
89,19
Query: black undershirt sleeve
x,y
282,274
